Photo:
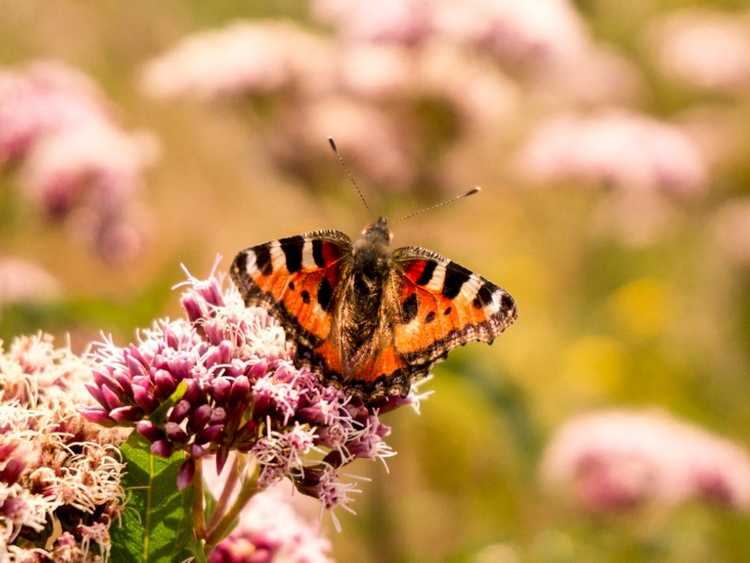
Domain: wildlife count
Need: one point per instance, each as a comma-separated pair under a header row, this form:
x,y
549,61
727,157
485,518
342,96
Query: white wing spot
x,y
250,266
278,258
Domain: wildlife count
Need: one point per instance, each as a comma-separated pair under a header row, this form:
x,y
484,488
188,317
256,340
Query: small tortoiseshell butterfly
x,y
367,317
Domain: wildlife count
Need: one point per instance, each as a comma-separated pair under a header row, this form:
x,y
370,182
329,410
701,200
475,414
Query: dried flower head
x,y
59,475
617,460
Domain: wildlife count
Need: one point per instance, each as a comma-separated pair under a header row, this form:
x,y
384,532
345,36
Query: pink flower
x,y
271,529
256,57
614,148
25,282
517,34
43,98
703,48
617,460
54,466
373,142
405,22
95,171
239,392
74,159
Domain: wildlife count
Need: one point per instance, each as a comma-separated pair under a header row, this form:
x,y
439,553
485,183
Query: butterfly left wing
x,y
295,279
443,305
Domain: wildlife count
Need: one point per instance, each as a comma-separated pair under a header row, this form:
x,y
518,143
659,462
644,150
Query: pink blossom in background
x,y
73,159
617,460
376,72
704,49
93,173
272,528
373,142
614,148
480,97
255,57
42,98
404,22
22,281
731,226
516,34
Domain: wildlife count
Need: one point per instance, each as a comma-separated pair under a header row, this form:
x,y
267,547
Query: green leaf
x,y
157,523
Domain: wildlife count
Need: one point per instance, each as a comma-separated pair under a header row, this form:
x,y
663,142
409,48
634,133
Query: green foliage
x,y
157,524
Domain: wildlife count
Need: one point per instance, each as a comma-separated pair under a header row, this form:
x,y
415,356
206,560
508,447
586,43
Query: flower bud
x,y
162,448
175,433
185,474
129,413
149,430
165,383
180,411
199,417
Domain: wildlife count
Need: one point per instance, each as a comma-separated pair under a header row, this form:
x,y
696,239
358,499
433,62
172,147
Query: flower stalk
x,y
224,526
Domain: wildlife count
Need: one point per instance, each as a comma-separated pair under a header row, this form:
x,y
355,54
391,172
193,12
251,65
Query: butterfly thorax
x,y
360,323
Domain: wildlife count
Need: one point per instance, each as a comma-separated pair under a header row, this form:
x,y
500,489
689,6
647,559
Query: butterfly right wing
x,y
296,279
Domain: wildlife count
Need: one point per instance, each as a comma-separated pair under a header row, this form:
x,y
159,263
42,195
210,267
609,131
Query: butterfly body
x,y
365,316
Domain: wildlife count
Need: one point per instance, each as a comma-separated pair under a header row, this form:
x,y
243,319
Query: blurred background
x,y
611,422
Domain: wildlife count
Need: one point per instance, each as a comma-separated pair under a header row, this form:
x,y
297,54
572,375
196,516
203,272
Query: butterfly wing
x,y
296,279
443,305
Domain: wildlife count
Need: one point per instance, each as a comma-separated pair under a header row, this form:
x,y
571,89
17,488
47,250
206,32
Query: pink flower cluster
x,y
514,33
378,101
618,460
647,166
59,475
704,49
74,160
272,528
237,390
25,282
614,148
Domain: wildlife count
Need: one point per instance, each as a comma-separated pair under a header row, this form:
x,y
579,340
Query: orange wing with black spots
x,y
443,305
296,279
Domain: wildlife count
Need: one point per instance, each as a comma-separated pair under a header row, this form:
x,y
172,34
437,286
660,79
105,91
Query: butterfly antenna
x,y
472,191
348,172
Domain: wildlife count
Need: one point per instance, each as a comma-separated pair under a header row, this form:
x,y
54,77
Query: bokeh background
x,y
609,138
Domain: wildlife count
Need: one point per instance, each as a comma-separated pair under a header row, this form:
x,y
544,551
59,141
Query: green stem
x,y
226,494
222,527
199,516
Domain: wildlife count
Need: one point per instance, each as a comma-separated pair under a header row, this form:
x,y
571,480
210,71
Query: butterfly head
x,y
378,233
371,250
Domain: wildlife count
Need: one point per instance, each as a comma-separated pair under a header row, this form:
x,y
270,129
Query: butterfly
x,y
371,319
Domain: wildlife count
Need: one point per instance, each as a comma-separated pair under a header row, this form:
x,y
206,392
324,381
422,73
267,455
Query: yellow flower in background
x,y
642,307
594,366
